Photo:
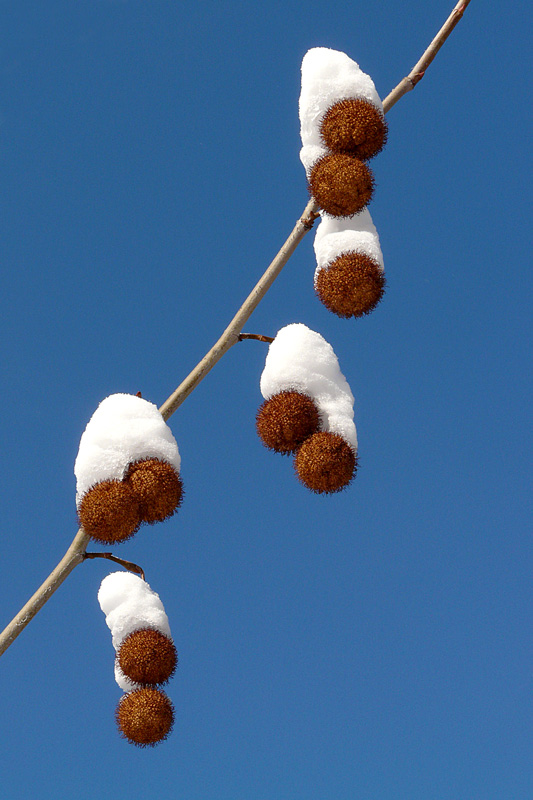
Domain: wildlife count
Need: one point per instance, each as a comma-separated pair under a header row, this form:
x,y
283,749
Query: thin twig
x,y
258,336
129,565
76,552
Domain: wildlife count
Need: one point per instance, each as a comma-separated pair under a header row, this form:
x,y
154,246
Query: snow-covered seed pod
x,y
109,512
341,124
145,716
300,360
354,126
325,463
341,184
157,487
349,278
132,607
147,656
285,420
127,455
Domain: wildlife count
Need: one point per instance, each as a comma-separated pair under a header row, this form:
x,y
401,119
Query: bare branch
x,y
231,334
419,69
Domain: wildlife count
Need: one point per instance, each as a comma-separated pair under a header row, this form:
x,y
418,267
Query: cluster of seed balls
x,y
145,715
342,184
288,422
112,510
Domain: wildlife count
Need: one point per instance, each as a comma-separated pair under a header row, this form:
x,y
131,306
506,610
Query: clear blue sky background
x,y
375,645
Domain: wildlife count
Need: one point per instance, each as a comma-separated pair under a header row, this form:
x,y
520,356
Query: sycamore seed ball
x,y
341,184
325,463
145,716
356,127
285,420
109,512
157,487
351,286
147,656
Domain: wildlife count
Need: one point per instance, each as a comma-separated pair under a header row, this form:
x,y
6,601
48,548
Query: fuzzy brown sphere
x,y
341,184
147,656
145,716
109,512
356,127
351,286
158,488
285,420
325,463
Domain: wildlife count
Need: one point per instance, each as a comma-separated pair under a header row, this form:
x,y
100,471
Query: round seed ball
x,y
109,512
325,463
351,286
341,184
147,656
285,420
145,716
157,487
356,127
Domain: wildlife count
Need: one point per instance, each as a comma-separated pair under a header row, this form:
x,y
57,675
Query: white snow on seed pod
x,y
129,605
301,359
123,429
337,235
327,77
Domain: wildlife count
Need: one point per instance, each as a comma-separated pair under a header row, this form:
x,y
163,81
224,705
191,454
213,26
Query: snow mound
x,y
123,429
302,360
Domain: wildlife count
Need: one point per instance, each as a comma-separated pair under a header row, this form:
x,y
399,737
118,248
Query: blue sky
x,y
373,645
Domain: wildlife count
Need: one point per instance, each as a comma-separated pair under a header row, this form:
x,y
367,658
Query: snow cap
x,y
129,605
327,77
300,359
123,429
337,235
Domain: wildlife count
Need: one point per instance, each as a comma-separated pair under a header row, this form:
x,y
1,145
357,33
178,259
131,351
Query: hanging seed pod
x,y
325,463
147,656
285,420
157,487
145,716
354,126
341,184
109,512
351,286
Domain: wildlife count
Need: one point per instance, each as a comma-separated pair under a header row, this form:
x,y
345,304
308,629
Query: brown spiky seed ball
x,y
341,185
285,420
352,285
147,656
158,488
109,512
325,463
356,127
145,716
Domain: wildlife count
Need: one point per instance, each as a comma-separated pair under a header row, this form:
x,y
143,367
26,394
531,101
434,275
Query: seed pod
x,y
147,656
354,126
157,487
145,716
285,420
109,512
325,463
351,286
341,184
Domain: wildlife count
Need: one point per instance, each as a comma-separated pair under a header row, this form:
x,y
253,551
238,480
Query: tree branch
x,y
76,552
419,70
